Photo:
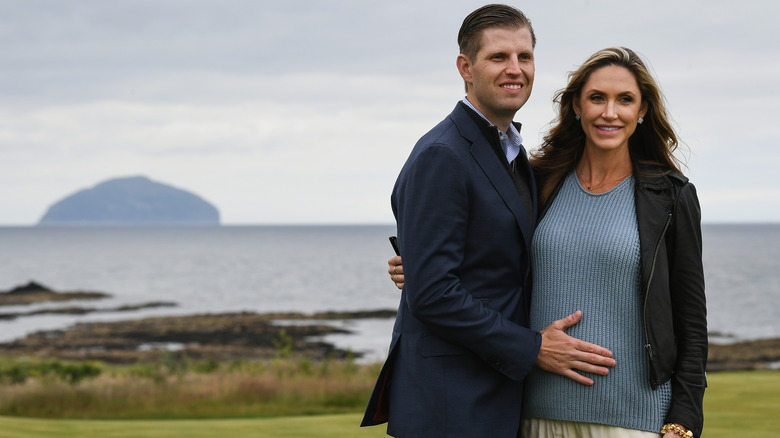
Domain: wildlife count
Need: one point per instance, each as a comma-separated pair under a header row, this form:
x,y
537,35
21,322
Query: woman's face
x,y
609,106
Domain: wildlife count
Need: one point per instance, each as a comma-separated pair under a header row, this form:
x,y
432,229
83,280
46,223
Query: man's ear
x,y
464,68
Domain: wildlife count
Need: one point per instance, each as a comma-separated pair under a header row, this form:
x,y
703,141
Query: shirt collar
x,y
512,133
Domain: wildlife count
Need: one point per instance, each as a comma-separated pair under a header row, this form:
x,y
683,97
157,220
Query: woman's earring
x,y
577,117
640,120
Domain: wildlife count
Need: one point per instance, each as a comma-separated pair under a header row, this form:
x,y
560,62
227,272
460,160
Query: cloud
x,y
304,111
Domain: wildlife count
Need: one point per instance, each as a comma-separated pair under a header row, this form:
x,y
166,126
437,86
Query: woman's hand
x,y
396,271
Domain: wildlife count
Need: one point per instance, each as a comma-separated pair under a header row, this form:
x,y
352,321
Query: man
x,y
465,206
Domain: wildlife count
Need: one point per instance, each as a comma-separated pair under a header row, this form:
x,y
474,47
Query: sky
x,y
304,111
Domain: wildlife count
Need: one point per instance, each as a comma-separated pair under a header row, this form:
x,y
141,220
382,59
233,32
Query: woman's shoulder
x,y
659,176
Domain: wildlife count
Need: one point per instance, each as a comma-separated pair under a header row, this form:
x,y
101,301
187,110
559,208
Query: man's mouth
x,y
512,86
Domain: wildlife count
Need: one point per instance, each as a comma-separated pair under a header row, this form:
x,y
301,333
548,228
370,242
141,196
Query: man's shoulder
x,y
445,132
455,129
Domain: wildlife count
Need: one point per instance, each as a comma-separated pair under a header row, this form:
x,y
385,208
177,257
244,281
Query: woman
x,y
619,238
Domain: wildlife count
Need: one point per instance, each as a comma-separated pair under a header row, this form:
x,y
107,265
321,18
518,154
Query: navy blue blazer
x,y
460,346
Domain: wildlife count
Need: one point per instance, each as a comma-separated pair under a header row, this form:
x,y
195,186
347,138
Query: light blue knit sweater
x,y
586,257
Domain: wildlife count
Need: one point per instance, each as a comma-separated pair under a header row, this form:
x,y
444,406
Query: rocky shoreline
x,y
241,336
220,337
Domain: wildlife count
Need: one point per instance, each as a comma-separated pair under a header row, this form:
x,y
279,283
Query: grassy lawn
x,y
342,426
742,404
736,404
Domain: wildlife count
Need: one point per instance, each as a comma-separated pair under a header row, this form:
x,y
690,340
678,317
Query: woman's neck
x,y
600,172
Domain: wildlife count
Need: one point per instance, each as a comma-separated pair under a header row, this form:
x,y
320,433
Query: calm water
x,y
310,269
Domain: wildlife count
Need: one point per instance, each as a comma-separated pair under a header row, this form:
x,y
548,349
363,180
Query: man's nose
x,y
513,67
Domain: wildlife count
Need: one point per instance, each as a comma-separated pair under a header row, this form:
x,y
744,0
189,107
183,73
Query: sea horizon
x,y
293,224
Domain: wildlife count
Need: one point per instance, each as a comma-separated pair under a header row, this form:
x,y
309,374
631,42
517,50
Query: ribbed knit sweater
x,y
586,257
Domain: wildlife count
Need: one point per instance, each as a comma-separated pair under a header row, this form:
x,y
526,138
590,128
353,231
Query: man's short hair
x,y
490,16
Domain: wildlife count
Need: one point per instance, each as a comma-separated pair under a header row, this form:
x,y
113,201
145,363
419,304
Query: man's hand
x,y
563,354
396,271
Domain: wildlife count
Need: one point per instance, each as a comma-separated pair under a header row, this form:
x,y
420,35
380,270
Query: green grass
x,y
341,426
736,404
742,404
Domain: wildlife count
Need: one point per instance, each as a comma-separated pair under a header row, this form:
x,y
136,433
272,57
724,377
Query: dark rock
x,y
748,355
33,292
333,315
86,310
131,201
233,336
29,288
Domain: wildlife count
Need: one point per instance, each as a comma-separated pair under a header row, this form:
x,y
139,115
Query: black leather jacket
x,y
675,314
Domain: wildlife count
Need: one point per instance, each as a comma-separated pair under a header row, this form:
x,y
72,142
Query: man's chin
x,y
512,105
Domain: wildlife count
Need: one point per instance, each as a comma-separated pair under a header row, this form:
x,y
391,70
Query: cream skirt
x,y
543,428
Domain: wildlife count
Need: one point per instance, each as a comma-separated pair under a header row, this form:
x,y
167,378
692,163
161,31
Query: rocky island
x,y
131,201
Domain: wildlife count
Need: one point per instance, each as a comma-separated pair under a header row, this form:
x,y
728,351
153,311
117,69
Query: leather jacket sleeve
x,y
686,288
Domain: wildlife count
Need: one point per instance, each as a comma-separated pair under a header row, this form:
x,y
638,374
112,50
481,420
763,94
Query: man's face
x,y
501,77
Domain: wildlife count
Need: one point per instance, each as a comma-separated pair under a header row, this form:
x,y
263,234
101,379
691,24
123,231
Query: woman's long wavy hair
x,y
653,142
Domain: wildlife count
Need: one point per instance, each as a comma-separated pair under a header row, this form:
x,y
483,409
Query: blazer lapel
x,y
522,159
502,182
497,172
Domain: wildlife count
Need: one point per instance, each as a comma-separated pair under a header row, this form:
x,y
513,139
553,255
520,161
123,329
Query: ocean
x,y
311,269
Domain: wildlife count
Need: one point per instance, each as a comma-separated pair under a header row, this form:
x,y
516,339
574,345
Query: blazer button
x,y
496,363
